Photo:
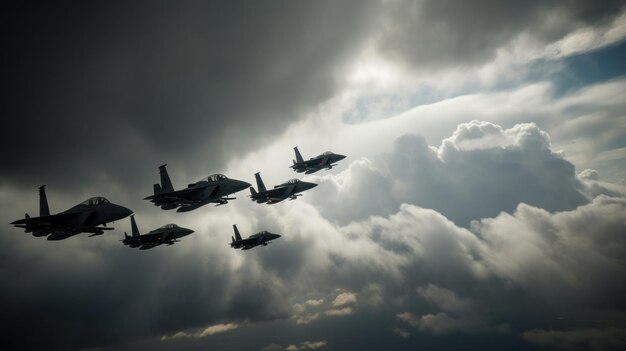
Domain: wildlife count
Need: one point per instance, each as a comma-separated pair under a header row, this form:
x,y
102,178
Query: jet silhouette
x,y
167,234
314,164
82,218
261,238
287,190
215,189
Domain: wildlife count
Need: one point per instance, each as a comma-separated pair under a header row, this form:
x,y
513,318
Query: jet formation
x,y
82,218
167,234
93,214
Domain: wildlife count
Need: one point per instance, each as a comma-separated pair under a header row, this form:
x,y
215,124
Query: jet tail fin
x,y
252,191
166,183
259,182
43,202
237,235
157,189
133,225
298,156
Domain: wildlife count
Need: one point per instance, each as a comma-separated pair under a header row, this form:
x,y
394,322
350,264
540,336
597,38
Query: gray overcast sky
x,y
482,203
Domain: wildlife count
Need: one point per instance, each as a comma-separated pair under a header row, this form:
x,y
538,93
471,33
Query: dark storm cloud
x,y
439,34
111,90
89,296
119,88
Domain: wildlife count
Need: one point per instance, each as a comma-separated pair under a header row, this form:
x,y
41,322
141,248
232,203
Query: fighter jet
x,y
314,164
287,190
260,238
82,218
167,234
213,189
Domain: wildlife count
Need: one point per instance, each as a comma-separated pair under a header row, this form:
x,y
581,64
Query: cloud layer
x,y
437,277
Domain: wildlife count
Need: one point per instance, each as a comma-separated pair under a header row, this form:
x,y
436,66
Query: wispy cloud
x,y
344,298
202,333
314,309
304,345
338,312
403,333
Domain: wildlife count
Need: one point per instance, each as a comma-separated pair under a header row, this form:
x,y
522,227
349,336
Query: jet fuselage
x,y
215,189
262,238
167,234
326,160
287,190
82,218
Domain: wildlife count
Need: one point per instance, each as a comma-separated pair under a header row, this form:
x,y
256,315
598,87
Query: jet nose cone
x,y
122,212
184,232
340,157
126,211
242,185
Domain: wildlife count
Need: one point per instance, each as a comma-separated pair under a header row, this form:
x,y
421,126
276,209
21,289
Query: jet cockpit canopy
x,y
290,182
212,178
216,177
97,200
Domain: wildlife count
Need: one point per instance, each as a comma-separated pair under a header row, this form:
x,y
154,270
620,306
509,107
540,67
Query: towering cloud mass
x,y
477,172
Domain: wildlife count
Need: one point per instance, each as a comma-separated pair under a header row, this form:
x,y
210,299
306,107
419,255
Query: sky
x,y
482,203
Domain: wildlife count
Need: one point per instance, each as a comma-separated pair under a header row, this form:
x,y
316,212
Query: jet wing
x,y
149,241
249,242
324,161
144,242
129,240
315,164
147,246
187,196
279,194
57,221
151,238
312,162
